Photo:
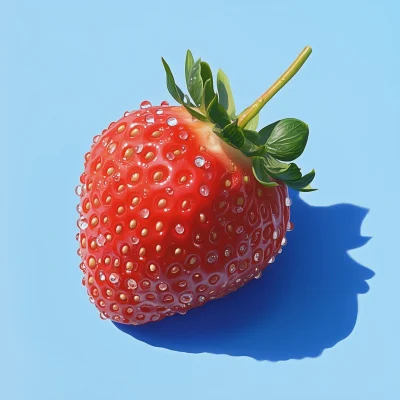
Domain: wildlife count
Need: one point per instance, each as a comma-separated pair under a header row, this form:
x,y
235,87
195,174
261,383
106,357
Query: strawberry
x,y
183,204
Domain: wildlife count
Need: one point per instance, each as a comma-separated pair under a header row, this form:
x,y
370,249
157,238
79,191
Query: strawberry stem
x,y
248,114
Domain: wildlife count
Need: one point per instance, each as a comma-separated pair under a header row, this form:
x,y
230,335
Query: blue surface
x,y
327,310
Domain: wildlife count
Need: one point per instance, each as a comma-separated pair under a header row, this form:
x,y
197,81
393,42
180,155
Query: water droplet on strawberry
x,y
132,284
96,139
169,191
179,229
135,240
138,149
145,104
163,286
288,201
165,103
114,278
103,316
204,190
117,177
201,299
186,298
91,299
82,223
289,226
257,257
171,121
159,111
275,235
144,213
199,161
212,258
183,135
100,240
149,119
126,113
284,241
78,190
170,156
271,260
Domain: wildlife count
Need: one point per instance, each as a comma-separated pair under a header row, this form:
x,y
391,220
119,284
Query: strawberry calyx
x,y
269,148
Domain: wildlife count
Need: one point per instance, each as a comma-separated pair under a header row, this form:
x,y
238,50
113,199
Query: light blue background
x,y
69,68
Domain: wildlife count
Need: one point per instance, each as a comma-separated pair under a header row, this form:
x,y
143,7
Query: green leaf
x,y
206,73
307,189
225,94
249,149
176,93
261,136
208,95
217,114
195,85
253,123
233,135
188,65
303,183
192,111
288,139
260,172
282,171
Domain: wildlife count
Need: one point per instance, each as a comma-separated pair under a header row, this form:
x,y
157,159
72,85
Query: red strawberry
x,y
182,205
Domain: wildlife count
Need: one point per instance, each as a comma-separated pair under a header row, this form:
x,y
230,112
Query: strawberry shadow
x,y
305,302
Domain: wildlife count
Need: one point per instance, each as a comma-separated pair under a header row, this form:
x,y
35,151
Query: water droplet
x,y
100,240
232,268
201,299
280,251
82,223
164,103
138,148
79,208
145,104
183,135
227,252
257,257
135,240
111,148
103,316
239,229
171,121
275,235
149,119
288,201
132,284
258,276
96,139
126,113
163,286
144,213
170,156
212,258
159,111
91,299
199,161
237,209
169,191
179,229
186,298
271,260
284,241
289,226
242,248
117,177
114,278
78,190
204,190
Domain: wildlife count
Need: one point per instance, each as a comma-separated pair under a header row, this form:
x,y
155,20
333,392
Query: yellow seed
x,y
96,202
135,177
107,260
115,307
121,128
246,179
98,166
158,176
105,220
162,203
136,298
156,134
214,235
110,170
134,132
183,179
259,192
128,152
117,262
87,206
91,280
184,204
93,244
125,249
192,260
175,270
142,251
83,242
102,304
129,265
144,232
120,209
121,188
109,292
178,251
159,226
149,156
135,201
122,297
118,229
228,183
230,228
202,218
108,237
94,221
129,310
99,260
158,248
132,224
240,201
90,185
152,267
92,262
108,199
177,152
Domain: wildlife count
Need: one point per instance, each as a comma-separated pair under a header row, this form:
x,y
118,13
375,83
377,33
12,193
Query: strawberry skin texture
x,y
171,217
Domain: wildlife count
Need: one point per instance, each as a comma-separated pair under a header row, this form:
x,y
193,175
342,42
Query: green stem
x,y
248,114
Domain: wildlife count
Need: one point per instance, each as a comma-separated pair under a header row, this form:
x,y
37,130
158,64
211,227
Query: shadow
x,y
305,302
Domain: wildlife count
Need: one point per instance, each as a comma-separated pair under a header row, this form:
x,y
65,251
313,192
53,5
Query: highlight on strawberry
x,y
180,205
